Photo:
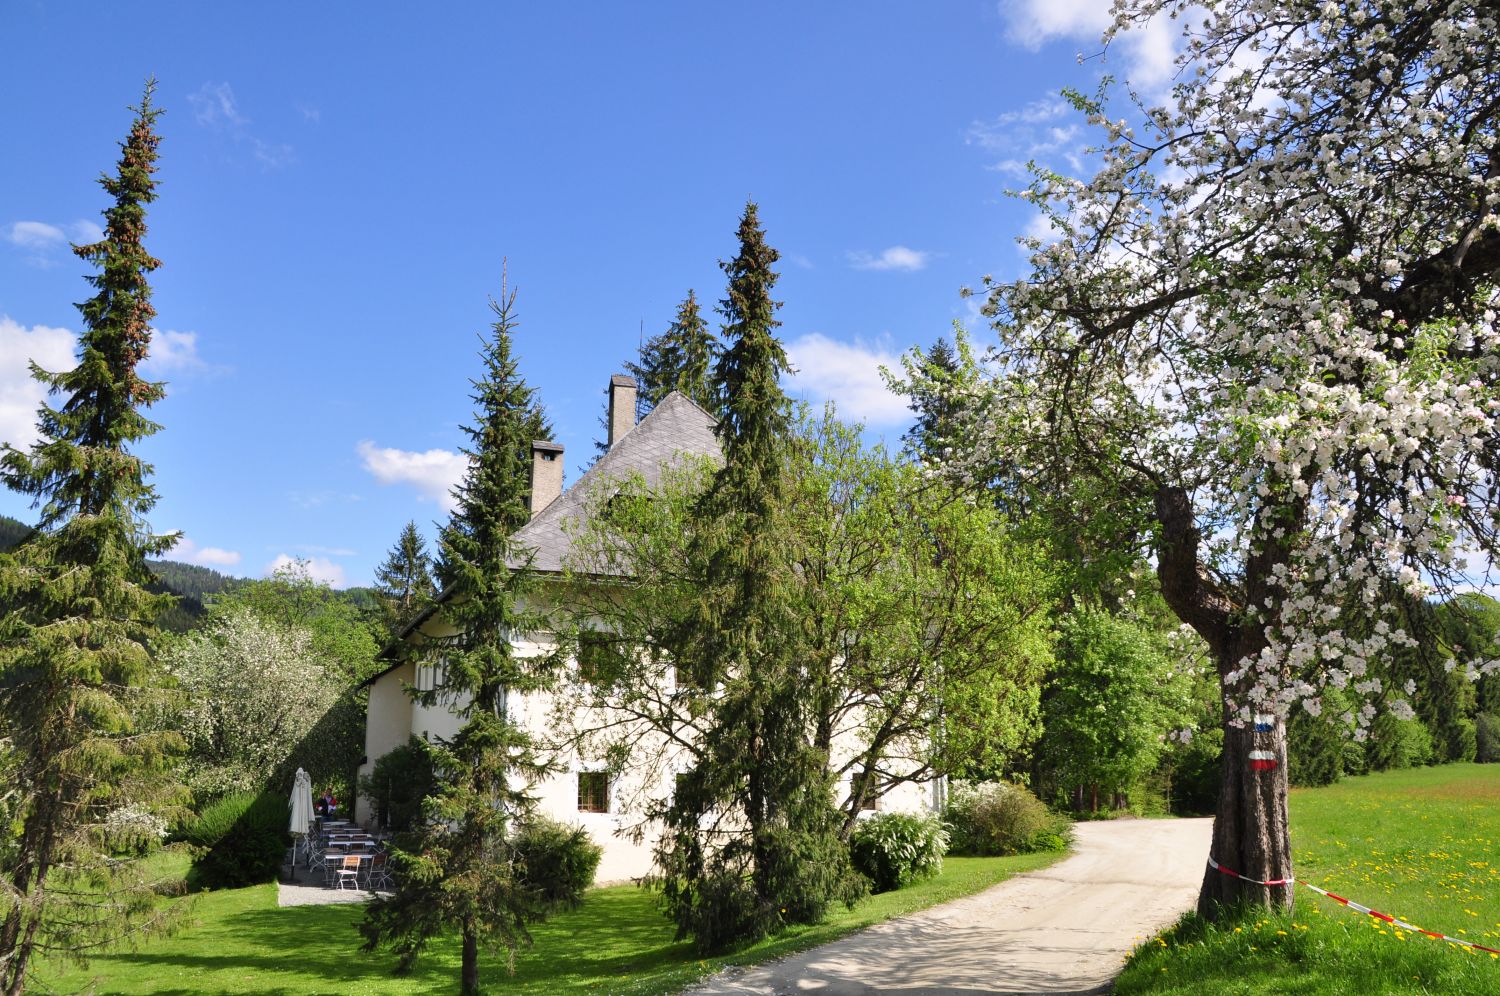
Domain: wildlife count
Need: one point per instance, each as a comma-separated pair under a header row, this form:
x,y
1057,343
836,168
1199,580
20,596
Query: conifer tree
x,y
76,613
682,358
773,855
456,870
403,583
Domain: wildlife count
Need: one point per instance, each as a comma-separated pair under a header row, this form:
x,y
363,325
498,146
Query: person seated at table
x,y
326,805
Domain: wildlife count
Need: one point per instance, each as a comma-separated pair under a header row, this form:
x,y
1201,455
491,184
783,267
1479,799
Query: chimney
x,y
546,474
621,407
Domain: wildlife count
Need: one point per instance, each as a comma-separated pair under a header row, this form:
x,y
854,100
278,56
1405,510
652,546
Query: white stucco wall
x,y
624,858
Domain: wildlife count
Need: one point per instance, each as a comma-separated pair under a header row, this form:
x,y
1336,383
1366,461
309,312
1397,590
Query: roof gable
x,y
674,427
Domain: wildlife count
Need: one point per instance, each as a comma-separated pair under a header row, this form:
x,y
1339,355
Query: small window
x,y
597,662
431,677
593,791
873,794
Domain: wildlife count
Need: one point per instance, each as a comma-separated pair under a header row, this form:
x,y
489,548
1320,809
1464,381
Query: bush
x,y
993,818
240,840
1398,743
1486,738
557,860
398,783
893,850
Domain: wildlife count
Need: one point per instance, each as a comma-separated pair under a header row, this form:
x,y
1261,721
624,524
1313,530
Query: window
x,y
873,793
431,677
593,791
597,662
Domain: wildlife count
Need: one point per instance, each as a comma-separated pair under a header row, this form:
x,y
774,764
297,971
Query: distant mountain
x,y
190,583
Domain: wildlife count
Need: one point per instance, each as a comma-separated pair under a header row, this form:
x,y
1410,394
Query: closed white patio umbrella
x,y
302,808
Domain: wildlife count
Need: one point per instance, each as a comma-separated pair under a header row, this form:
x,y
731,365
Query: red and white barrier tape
x,y
1356,907
1253,881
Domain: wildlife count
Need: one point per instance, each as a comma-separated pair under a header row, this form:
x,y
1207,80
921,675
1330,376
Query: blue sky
x,y
339,185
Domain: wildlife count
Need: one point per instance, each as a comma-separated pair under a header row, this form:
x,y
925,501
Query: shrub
x,y
241,840
1398,743
1486,738
398,783
557,860
993,818
131,830
893,850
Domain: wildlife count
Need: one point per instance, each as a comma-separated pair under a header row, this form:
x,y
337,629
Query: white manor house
x,y
583,792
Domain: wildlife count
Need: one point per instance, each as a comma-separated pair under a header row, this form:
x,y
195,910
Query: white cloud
x,y
46,242
894,258
318,568
847,374
20,394
36,235
434,473
204,556
1148,51
86,232
1041,227
172,352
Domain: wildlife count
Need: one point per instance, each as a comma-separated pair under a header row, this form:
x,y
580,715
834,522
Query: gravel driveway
x,y
1064,929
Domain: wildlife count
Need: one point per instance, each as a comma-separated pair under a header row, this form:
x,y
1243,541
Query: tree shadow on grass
x,y
614,935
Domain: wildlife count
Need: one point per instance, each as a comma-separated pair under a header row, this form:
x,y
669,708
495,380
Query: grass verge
x,y
1421,844
618,942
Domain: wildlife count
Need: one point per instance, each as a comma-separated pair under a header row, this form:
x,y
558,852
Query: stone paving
x,y
304,888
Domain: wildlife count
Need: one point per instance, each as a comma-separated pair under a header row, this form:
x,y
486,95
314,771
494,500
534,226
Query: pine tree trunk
x,y
468,980
1250,827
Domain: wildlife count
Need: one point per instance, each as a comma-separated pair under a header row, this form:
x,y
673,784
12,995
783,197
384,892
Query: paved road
x,y
1064,929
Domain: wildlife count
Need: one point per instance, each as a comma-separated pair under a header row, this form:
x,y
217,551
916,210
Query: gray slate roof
x,y
676,426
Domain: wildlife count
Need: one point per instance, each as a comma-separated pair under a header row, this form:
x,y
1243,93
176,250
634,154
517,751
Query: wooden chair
x,y
380,873
348,871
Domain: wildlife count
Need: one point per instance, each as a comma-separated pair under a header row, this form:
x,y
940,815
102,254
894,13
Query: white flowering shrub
x,y
252,692
131,829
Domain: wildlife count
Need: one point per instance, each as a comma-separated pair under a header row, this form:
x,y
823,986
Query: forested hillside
x,y
190,583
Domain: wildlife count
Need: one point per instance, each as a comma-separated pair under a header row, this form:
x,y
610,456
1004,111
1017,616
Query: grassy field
x,y
239,941
1422,845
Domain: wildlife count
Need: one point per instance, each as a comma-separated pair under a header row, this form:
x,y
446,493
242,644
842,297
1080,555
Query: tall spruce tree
x,y
682,358
403,583
751,841
78,614
455,871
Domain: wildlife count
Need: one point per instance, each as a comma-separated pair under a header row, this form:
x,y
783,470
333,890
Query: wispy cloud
x,y
848,374
434,473
895,258
20,394
190,552
215,107
317,499
1149,50
318,568
1035,132
327,551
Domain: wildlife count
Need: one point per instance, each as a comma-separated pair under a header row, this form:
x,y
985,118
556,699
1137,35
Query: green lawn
x,y
1422,845
239,941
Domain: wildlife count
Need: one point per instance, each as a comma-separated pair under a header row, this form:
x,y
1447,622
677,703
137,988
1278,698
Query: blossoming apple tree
x,y
1266,331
